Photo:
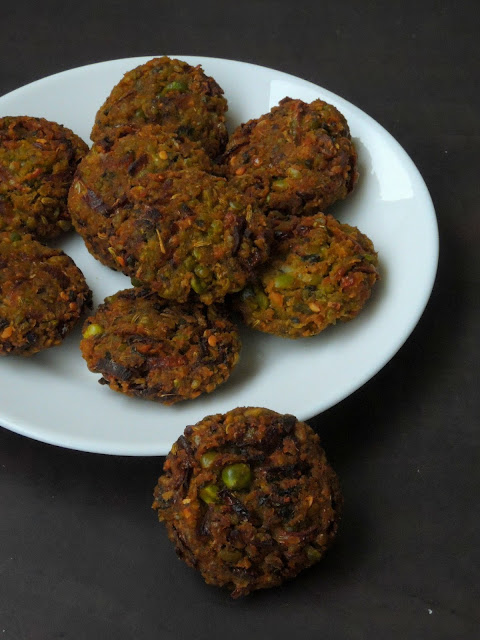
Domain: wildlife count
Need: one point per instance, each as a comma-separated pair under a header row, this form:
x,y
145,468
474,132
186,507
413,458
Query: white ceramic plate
x,y
54,398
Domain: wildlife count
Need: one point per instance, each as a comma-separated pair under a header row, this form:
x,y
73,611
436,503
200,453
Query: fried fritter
x,y
37,161
321,272
42,295
249,499
148,347
169,92
298,158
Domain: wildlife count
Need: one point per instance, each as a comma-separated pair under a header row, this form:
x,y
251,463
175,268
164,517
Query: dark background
x,y
81,554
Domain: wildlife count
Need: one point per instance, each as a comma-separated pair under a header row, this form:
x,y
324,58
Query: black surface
x,y
81,554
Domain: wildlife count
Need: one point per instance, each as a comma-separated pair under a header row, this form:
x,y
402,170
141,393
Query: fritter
x,y
42,295
99,193
298,158
249,499
171,93
195,235
321,272
37,161
148,347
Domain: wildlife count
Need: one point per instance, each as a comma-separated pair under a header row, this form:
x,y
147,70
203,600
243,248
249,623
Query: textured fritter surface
x,y
195,234
321,272
102,183
297,158
42,295
148,347
171,93
37,161
249,499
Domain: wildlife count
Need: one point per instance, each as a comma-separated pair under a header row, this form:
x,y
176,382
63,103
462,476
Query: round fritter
x,y
42,295
148,347
195,233
37,161
298,158
321,271
107,173
171,93
249,499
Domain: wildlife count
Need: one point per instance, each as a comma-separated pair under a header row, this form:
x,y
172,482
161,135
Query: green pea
x,y
230,555
283,281
237,476
261,299
190,263
209,493
293,173
176,86
93,330
15,237
280,185
202,272
198,285
197,253
139,113
313,554
208,459
216,226
235,205
136,282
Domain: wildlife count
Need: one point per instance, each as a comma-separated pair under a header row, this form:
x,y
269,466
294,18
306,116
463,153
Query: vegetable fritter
x,y
195,235
171,93
298,158
321,272
37,161
148,347
249,499
42,295
100,190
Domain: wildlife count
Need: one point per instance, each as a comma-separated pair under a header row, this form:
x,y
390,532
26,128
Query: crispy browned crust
x,y
100,191
169,92
37,161
147,347
298,158
321,272
265,533
42,295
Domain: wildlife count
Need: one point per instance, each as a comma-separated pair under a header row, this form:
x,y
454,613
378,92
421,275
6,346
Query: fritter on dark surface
x,y
37,161
42,295
298,158
148,347
195,235
100,191
321,272
249,499
171,93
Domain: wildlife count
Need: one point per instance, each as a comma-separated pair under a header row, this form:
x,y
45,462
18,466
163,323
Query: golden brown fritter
x,y
99,193
148,347
37,161
169,92
298,158
42,295
321,272
249,499
194,236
